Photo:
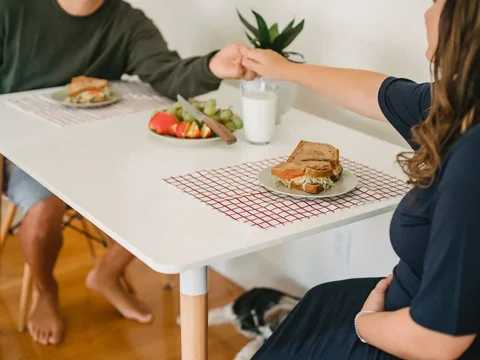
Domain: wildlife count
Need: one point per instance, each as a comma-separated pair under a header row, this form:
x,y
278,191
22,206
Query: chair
x,y
6,228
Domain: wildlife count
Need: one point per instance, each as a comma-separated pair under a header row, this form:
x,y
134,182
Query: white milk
x,y
259,115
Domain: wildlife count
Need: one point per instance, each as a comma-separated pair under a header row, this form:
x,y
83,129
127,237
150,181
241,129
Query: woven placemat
x,y
236,192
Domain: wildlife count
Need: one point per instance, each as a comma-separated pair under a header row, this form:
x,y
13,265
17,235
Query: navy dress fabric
x,y
436,234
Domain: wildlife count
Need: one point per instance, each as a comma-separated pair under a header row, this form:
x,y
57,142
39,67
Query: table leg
x,y
194,313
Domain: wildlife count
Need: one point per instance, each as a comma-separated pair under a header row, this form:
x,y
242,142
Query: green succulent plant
x,y
269,37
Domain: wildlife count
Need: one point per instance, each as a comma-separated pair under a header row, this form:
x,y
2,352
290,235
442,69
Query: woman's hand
x,y
376,299
266,63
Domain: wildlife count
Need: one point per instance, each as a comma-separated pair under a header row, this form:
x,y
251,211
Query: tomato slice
x,y
289,177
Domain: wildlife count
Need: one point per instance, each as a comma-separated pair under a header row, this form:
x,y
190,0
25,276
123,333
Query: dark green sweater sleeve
x,y
150,59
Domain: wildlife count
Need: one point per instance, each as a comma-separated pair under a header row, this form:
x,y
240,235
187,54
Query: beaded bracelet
x,y
364,312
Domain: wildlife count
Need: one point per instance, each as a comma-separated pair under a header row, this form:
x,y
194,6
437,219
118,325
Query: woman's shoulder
x,y
404,103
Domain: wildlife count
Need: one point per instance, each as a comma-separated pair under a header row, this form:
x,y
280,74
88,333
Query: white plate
x,y
60,96
185,142
347,183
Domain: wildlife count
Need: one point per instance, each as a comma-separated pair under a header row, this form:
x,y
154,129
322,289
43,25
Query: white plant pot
x,y
287,94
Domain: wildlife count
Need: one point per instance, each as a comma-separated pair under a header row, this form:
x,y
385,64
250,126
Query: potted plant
x,y
264,36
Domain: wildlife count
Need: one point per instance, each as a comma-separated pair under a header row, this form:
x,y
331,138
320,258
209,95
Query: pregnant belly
x,y
402,290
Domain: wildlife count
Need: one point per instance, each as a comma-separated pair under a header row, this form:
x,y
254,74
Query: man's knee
x,y
23,190
45,215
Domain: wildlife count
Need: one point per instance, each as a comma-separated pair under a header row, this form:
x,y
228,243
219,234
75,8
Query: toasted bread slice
x,y
308,188
337,173
309,168
81,78
82,83
311,151
286,169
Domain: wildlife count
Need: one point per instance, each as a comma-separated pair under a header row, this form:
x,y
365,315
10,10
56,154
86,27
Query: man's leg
x,y
105,279
41,241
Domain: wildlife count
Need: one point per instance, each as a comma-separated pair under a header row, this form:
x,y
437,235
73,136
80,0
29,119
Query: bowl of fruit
x,y
176,125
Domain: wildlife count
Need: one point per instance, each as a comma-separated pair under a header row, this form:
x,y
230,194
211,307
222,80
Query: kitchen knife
x,y
216,127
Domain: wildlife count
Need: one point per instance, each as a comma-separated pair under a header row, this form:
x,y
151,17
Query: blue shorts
x,y
22,189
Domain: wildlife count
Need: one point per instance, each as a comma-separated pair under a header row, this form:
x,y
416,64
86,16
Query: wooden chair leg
x,y
6,224
25,298
91,247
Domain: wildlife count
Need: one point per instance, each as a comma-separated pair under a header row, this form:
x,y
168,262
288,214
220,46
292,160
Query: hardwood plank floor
x,y
95,331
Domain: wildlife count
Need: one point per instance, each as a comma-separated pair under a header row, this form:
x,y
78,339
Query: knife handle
x,y
220,130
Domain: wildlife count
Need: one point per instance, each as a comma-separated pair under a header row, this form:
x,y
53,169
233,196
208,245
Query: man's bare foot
x,y
128,305
45,324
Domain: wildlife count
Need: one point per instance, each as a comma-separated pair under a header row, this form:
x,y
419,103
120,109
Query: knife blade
x,y
216,127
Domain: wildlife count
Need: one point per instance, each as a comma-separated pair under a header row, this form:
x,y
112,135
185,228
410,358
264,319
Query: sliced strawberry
x,y
182,129
206,131
173,130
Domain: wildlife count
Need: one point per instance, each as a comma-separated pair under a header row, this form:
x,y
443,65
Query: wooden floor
x,y
94,329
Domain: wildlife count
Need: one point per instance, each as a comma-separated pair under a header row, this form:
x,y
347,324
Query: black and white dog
x,y
256,314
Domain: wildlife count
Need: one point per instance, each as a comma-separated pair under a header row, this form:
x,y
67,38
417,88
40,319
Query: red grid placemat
x,y
236,192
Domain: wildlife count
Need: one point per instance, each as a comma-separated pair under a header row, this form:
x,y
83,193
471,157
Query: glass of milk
x,y
259,104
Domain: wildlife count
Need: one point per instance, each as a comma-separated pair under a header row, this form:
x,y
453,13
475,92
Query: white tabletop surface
x,y
111,171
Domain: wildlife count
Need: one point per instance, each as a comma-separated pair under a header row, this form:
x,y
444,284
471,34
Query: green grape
x,y
172,111
179,114
226,115
187,116
231,126
211,103
197,105
176,106
237,120
210,110
216,118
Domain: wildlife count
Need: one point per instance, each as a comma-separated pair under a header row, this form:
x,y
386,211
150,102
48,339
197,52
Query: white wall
x,y
382,35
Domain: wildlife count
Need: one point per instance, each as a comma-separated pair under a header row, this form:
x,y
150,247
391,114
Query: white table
x,y
111,171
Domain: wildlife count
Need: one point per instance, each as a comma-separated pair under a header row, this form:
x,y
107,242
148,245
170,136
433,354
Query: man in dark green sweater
x,y
44,43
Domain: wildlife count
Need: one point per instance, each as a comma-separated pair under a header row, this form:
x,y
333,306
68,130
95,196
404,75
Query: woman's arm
x,y
396,333
354,90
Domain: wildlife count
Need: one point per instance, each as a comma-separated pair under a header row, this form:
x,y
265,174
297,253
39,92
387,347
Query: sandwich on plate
x,y
312,168
83,90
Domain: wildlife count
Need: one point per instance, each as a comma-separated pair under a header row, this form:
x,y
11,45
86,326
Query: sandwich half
x,y
312,168
83,90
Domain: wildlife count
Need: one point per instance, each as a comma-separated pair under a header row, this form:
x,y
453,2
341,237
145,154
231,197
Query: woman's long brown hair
x,y
455,92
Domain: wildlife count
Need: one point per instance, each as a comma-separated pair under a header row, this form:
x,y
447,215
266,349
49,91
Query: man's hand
x,y
227,63
376,299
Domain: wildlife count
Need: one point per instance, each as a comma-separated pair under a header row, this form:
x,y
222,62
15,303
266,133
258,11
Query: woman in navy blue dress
x,y
429,308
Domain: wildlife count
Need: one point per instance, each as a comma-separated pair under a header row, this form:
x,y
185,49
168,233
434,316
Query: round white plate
x,y
61,95
347,183
185,142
